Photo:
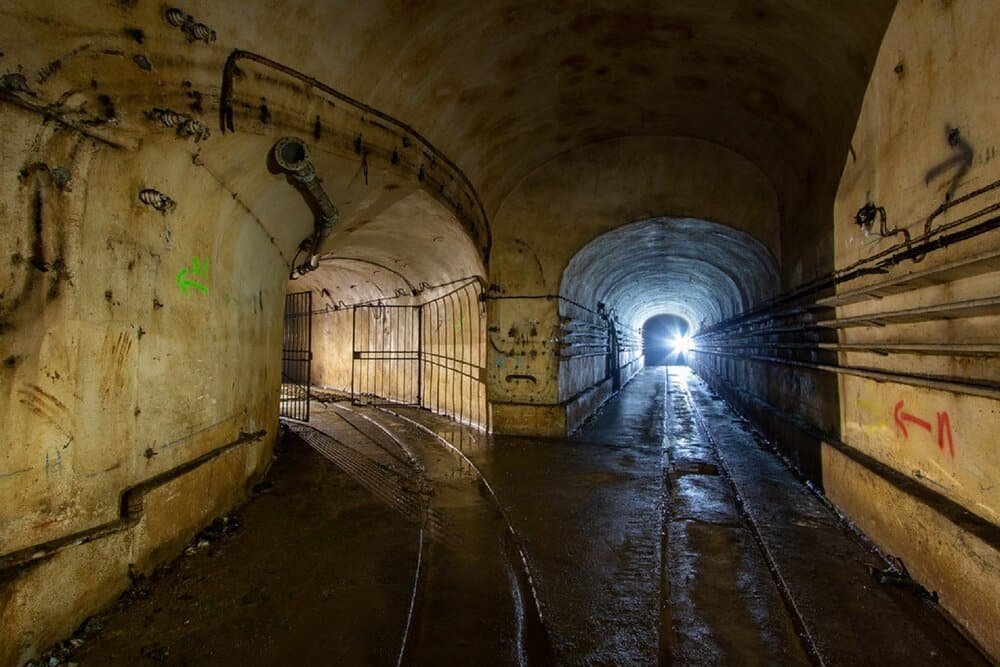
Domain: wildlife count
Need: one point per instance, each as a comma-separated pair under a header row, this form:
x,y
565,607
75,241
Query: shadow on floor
x,y
319,572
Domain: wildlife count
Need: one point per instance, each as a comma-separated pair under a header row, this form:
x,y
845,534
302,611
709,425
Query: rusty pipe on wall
x,y
292,155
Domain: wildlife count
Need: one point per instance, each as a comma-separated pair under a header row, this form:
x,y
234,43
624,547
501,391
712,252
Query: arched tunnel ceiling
x,y
502,86
699,270
405,250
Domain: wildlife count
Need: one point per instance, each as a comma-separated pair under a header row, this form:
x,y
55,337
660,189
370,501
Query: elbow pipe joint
x,y
292,155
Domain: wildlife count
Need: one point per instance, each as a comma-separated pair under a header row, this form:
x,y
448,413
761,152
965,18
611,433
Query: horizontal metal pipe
x,y
930,349
953,310
985,390
915,249
131,504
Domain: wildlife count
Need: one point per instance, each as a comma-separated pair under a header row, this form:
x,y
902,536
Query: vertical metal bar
x,y
385,352
375,335
354,348
308,350
391,389
467,355
460,353
308,359
450,349
428,346
437,357
449,354
375,332
404,359
297,353
403,355
476,355
415,347
460,302
362,361
372,361
481,344
297,363
420,355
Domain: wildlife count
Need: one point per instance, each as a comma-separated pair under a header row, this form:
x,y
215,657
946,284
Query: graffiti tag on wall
x,y
186,278
943,427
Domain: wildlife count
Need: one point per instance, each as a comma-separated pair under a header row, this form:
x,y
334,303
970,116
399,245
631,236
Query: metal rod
x,y
944,384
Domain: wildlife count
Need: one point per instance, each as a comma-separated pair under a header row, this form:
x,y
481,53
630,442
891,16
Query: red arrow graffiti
x,y
944,432
903,417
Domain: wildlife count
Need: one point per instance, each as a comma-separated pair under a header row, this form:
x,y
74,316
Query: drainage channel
x,y
722,599
769,625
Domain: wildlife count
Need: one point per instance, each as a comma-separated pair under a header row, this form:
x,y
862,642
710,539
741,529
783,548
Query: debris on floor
x,y
223,528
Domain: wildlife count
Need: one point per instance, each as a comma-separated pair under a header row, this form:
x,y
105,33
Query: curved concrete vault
x,y
682,157
411,247
700,270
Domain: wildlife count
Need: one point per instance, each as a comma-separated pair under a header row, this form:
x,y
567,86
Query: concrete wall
x,y
114,373
331,347
116,370
902,441
935,74
140,350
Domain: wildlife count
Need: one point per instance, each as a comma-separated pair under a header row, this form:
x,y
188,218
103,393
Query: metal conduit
x,y
986,390
292,156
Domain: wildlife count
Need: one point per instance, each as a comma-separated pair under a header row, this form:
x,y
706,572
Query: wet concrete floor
x,y
319,572
665,531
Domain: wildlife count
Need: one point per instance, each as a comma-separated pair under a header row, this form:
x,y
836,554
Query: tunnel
x,y
499,333
666,340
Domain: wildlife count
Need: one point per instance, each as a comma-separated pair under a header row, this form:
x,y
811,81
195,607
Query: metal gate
x,y
386,357
296,355
432,355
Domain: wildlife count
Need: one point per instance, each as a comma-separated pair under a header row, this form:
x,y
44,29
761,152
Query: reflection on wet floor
x,y
723,601
589,512
663,532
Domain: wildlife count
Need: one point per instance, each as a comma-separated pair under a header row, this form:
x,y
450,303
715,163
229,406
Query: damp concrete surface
x,y
387,535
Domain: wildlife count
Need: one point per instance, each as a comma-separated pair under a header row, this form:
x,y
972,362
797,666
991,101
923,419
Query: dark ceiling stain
x,y
640,69
577,63
761,102
694,57
690,83
520,61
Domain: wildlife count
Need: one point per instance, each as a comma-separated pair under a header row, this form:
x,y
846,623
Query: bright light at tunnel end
x,y
681,344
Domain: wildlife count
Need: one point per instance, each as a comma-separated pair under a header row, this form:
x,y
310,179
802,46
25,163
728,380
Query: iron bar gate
x,y
296,355
385,363
431,355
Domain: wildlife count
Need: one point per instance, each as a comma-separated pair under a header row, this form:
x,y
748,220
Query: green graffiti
x,y
185,279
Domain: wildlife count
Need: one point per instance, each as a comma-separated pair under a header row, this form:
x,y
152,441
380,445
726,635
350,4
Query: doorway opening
x,y
666,340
